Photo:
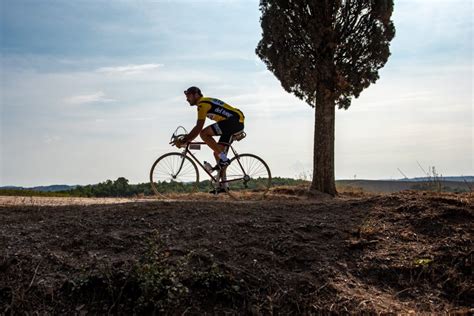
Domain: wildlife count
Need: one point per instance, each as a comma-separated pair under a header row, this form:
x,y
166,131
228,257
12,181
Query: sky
x,y
92,90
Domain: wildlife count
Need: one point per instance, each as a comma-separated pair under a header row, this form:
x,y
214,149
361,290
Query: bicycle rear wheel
x,y
174,173
247,177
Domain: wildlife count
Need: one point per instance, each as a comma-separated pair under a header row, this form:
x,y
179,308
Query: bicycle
x,y
246,177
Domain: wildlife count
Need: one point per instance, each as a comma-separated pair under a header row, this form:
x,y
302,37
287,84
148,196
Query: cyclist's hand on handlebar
x,y
179,141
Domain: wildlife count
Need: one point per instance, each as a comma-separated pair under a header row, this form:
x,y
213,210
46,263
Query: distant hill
x,y
455,179
48,188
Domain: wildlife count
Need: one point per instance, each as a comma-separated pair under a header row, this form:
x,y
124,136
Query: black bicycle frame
x,y
187,151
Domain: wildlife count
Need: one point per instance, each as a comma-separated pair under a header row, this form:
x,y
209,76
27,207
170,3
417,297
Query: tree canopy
x,y
338,45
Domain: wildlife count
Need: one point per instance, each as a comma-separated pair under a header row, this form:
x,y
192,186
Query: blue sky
x,y
92,90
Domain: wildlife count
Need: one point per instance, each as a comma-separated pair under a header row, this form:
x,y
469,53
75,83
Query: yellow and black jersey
x,y
217,110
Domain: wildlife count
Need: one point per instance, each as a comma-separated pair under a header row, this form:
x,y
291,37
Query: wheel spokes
x,y
173,168
247,172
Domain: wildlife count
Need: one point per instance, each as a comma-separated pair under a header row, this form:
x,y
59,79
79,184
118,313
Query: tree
x,y
325,52
121,187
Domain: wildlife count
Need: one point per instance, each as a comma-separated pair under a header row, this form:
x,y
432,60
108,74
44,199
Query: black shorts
x,y
226,129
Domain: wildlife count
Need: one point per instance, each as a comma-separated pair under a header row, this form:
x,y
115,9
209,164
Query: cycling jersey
x,y
218,110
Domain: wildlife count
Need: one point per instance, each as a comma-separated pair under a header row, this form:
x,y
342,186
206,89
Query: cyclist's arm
x,y
195,131
202,110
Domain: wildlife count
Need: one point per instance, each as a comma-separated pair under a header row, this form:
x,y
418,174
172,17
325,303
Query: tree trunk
x,y
323,152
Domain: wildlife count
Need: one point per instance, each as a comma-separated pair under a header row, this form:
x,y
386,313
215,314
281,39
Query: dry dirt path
x,y
52,201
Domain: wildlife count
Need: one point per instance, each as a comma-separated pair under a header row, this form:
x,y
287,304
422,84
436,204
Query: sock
x,y
224,185
223,156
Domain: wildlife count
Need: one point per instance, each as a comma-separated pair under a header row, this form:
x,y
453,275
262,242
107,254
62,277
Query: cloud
x,y
51,139
88,98
129,69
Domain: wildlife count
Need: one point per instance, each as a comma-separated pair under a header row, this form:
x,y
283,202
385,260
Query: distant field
x,y
387,186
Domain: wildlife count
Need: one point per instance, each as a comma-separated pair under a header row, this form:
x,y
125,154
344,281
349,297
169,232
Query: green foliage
x,y
333,47
121,188
19,192
117,188
124,189
158,283
278,181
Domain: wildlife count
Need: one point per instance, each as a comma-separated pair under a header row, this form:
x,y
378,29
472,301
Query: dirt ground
x,y
401,253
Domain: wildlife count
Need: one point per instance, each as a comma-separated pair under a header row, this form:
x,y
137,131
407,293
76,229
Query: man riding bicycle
x,y
229,121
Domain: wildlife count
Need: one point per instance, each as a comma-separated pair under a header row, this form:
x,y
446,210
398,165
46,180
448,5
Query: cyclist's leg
x,y
225,129
207,136
217,148
229,128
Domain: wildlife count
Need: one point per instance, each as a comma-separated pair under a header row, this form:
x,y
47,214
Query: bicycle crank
x,y
246,179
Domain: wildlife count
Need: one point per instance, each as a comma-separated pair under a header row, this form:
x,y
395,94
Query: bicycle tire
x,y
173,171
247,177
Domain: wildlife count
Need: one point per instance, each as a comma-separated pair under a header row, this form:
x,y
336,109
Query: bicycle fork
x,y
174,176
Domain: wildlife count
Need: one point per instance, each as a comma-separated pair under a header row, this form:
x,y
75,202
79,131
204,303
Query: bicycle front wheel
x,y
247,177
174,173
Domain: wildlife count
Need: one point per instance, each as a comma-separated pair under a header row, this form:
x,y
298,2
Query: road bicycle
x,y
246,177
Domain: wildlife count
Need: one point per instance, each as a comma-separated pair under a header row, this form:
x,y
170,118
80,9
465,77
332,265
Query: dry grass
x,y
369,228
54,201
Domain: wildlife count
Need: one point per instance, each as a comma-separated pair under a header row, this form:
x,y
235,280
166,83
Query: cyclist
x,y
229,121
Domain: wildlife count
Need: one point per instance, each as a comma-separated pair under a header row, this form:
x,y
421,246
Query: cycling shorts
x,y
226,129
